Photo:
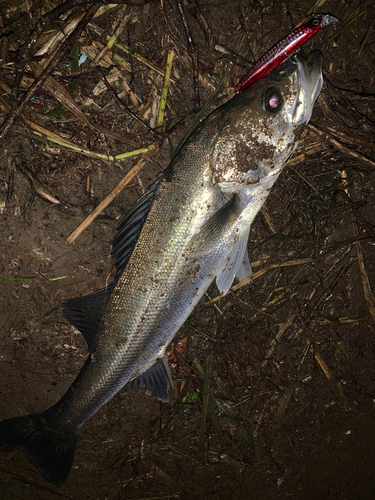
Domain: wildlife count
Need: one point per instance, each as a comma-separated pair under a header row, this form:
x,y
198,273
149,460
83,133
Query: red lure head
x,y
278,54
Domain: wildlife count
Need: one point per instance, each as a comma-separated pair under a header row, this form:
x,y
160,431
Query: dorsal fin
x,y
155,381
84,313
129,228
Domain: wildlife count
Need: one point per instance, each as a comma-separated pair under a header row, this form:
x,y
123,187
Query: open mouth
x,y
310,85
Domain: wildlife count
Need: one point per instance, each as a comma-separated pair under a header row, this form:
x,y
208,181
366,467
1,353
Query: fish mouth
x,y
310,84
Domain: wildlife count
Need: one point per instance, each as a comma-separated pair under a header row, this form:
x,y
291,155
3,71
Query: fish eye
x,y
273,101
315,22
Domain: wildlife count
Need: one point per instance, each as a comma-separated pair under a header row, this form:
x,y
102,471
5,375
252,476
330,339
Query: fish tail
x,y
49,447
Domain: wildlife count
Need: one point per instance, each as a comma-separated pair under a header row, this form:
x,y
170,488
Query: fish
x,y
190,227
283,49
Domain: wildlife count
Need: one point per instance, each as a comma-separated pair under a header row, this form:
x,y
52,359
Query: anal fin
x,y
154,381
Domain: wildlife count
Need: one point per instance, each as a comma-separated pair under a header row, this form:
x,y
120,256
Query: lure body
x,y
278,54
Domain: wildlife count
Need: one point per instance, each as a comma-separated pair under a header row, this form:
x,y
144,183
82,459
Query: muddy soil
x,y
273,391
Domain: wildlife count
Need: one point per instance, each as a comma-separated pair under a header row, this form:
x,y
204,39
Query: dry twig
x,y
107,200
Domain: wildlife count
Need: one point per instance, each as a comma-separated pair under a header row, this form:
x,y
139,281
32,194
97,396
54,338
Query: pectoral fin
x,y
215,228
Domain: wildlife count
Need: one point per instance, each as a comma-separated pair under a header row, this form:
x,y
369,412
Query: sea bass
x,y
190,227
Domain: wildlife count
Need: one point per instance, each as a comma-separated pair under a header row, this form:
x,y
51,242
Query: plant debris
x,y
274,382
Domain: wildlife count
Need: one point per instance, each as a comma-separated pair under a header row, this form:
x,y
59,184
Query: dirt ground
x,y
274,384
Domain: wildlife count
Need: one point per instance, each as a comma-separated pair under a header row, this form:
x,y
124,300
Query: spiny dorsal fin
x,y
129,228
155,381
84,313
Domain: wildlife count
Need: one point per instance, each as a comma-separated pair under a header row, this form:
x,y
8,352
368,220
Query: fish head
x,y
259,128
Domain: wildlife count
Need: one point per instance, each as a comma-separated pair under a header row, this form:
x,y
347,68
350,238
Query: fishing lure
x,y
275,56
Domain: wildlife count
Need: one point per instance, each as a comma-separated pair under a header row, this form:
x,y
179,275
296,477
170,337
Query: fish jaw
x,y
310,85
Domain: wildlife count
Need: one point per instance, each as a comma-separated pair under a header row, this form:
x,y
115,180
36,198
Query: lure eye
x,y
273,101
315,22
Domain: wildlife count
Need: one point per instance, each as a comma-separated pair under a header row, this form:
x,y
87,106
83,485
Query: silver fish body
x,y
191,227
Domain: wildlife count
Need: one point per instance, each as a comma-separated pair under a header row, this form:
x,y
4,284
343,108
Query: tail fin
x,y
51,450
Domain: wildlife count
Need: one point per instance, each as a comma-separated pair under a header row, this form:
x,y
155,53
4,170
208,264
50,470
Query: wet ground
x,y
274,384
